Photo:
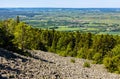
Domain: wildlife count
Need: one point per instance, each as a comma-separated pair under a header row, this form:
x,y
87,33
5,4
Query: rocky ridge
x,y
46,65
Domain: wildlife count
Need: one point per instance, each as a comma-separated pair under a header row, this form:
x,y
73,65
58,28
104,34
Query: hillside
x,y
46,65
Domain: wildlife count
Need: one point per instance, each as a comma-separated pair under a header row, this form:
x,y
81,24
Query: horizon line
x,y
60,7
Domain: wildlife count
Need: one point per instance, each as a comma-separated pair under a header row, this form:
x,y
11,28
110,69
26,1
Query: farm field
x,y
94,20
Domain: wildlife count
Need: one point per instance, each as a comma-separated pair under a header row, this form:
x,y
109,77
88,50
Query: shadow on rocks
x,y
2,77
38,58
5,67
10,55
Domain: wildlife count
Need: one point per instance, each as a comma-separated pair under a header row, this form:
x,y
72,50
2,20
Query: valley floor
x,y
46,65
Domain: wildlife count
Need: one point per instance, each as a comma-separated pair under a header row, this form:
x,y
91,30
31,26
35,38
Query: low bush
x,y
86,64
72,60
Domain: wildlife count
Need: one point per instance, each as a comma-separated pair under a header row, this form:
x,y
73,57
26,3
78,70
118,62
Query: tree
x,y
103,43
6,39
17,19
20,35
54,42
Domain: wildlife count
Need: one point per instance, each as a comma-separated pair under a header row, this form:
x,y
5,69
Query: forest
x,y
16,35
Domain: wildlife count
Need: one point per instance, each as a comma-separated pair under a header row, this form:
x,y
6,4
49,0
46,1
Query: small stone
x,y
4,75
3,60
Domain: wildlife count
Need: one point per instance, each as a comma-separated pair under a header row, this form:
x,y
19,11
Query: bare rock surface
x,y
46,65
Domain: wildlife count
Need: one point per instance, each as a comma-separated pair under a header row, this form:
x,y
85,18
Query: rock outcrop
x,y
46,65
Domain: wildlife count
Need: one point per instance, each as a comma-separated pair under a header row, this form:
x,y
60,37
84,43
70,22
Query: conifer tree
x,y
17,19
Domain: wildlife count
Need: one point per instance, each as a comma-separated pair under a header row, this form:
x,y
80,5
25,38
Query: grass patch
x,y
86,64
72,60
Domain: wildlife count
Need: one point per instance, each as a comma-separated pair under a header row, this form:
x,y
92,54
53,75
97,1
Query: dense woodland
x,y
18,36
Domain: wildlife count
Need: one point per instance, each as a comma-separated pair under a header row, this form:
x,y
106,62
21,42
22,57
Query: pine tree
x,y
17,19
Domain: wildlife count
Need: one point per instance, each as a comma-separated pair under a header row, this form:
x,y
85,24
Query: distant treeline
x,y
15,35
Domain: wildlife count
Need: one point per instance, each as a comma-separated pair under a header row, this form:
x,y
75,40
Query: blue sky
x,y
61,3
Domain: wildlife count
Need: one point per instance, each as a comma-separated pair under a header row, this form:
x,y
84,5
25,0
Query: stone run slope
x,y
45,65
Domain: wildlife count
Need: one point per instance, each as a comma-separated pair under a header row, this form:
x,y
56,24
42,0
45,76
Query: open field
x,y
95,20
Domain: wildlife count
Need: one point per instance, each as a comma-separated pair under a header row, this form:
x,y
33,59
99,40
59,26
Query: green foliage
x,y
97,57
107,62
72,60
82,53
90,54
20,35
86,64
17,19
112,64
63,53
6,38
115,51
103,43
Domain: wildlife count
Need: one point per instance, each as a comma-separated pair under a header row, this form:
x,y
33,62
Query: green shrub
x,y
63,53
90,54
86,64
94,62
112,64
72,60
82,53
107,62
72,54
98,58
118,72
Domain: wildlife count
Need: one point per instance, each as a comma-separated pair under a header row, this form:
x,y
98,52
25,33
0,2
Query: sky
x,y
60,3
